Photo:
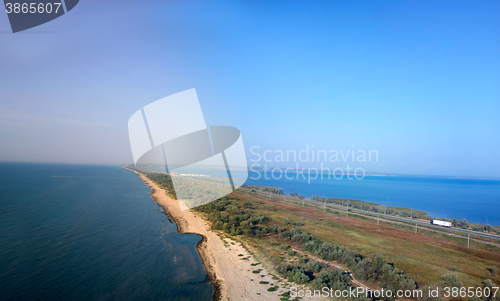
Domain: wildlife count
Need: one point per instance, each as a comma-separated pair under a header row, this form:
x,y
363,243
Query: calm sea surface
x,y
476,200
78,232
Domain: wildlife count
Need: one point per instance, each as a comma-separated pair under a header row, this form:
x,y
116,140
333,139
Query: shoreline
x,y
222,258
181,225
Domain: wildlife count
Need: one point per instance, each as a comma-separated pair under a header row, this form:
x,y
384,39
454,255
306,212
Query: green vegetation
x,y
377,208
165,182
236,217
424,258
335,279
362,205
314,266
296,239
272,289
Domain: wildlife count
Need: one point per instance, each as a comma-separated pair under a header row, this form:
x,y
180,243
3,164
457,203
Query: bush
x,y
377,270
493,270
218,225
451,280
235,217
312,246
293,273
314,266
298,276
454,269
463,223
334,279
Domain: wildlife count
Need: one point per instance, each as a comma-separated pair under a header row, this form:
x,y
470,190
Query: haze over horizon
x,y
416,81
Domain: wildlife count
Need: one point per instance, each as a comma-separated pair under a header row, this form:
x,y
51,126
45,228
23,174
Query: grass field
x,y
424,257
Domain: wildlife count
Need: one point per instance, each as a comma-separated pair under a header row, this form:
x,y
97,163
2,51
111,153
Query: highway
x,y
374,214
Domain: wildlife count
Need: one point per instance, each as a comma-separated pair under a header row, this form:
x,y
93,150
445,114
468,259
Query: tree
x,y
463,223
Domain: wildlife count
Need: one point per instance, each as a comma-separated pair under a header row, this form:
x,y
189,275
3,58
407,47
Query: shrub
x,y
314,266
335,279
376,269
218,225
493,270
298,276
293,273
451,280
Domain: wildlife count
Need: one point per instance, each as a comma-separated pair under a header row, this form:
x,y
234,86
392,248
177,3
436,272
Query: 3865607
x,y
32,8
470,292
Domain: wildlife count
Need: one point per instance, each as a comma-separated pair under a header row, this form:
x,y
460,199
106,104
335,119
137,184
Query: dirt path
x,y
357,283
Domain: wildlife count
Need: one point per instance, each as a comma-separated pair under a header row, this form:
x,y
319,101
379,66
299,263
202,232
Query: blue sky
x,y
417,81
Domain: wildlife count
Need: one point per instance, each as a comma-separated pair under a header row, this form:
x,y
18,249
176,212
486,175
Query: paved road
x,y
385,216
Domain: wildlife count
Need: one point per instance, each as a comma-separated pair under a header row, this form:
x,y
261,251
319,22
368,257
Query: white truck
x,y
440,223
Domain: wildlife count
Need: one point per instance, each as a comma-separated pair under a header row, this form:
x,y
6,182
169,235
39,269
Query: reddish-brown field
x,y
425,257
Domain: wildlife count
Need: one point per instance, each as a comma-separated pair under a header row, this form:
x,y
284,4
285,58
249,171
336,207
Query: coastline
x,y
227,272
182,226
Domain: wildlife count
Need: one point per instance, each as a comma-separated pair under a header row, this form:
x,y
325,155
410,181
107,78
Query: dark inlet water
x,y
74,232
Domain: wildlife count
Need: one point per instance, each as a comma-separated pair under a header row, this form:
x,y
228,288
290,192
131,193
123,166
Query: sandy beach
x,y
229,273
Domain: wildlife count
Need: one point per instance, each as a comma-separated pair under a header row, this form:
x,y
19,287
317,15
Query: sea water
x,y
83,232
477,200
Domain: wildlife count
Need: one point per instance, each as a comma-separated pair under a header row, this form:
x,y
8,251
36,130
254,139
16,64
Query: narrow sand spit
x,y
229,273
